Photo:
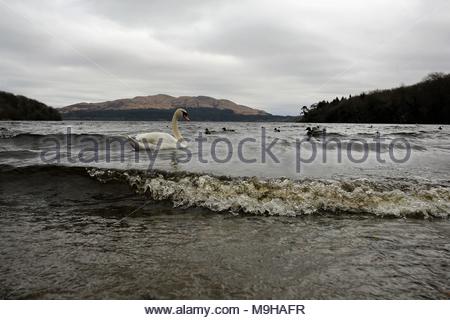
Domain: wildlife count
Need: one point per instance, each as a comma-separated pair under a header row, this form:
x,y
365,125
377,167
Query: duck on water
x,y
315,131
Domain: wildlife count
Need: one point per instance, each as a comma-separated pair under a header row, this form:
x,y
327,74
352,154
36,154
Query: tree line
x,y
425,102
18,107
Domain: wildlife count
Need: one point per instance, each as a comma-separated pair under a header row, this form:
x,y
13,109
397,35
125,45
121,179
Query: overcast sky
x,y
275,55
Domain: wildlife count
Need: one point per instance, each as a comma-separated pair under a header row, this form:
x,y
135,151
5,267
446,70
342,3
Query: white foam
x,y
285,197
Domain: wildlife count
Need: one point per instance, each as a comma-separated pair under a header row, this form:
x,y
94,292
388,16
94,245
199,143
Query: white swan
x,y
161,140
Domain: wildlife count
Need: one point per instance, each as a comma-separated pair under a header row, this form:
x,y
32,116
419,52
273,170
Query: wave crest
x,y
286,197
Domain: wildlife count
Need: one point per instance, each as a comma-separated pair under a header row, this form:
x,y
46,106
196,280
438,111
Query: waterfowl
x,y
161,140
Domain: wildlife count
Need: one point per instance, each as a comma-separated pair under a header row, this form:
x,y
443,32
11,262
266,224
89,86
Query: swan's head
x,y
183,113
308,129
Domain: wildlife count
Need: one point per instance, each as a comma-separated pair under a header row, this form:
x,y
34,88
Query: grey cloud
x,y
267,54
154,13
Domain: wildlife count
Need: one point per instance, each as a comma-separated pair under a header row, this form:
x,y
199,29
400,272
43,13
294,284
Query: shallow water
x,y
110,229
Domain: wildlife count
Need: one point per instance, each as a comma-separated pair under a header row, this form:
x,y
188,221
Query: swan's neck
x,y
175,130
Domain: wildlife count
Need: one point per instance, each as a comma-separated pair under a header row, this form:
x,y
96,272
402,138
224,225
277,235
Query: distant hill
x,y
14,107
425,102
161,107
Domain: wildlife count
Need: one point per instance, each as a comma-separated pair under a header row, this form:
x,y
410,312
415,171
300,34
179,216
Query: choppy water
x,y
82,224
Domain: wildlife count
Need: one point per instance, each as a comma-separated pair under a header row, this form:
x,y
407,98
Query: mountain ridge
x,y
163,102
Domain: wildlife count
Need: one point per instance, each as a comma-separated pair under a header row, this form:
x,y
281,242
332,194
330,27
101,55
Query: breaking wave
x,y
286,197
275,197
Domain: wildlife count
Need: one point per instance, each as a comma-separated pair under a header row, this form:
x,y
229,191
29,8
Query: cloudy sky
x,y
275,55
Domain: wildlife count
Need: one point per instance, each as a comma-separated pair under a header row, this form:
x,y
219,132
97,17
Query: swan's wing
x,y
154,137
135,143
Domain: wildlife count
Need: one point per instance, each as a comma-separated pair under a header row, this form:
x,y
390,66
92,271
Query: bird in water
x,y
440,128
228,130
276,130
161,140
315,131
207,131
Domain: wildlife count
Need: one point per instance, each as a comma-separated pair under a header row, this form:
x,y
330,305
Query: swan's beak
x,y
186,117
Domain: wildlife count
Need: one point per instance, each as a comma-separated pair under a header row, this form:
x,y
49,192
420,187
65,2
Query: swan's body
x,y
161,140
151,140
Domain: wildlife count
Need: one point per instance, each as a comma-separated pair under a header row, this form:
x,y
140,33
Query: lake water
x,y
358,212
